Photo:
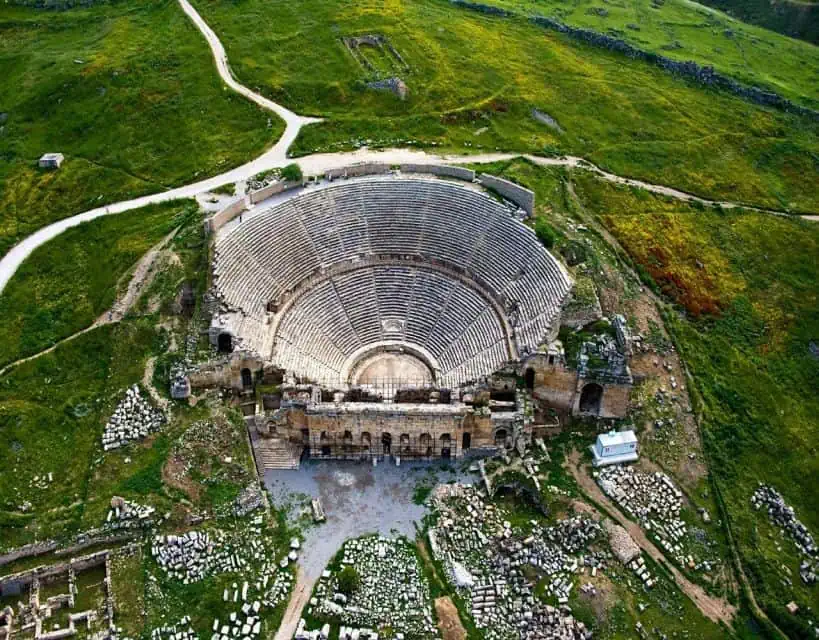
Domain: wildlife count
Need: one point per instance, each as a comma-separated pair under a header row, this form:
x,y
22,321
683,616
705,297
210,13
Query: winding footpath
x,y
276,157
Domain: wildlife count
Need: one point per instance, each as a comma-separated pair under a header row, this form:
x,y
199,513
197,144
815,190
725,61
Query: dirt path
x,y
300,596
716,609
449,622
143,275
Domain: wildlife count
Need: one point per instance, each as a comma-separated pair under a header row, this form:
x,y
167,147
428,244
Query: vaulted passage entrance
x,y
590,398
225,343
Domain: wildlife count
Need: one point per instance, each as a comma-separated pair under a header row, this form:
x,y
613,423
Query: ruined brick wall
x,y
615,401
225,374
554,384
480,428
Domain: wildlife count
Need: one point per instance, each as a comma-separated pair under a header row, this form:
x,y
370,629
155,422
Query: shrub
x,y
348,580
292,173
546,233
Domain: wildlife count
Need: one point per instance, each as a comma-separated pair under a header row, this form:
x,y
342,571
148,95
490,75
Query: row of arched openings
x,y
404,446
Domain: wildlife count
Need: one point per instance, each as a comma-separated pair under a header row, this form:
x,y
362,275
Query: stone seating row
x,y
273,252
342,314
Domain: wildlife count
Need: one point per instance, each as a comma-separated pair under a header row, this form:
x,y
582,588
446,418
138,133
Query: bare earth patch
x,y
449,623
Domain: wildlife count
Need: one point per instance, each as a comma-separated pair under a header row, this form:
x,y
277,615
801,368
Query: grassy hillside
x,y
793,18
128,93
749,288
473,83
70,281
684,30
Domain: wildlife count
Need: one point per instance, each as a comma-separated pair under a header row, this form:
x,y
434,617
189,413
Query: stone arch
x,y
466,441
366,440
446,445
591,398
386,443
347,440
425,440
224,343
324,440
247,378
501,436
404,441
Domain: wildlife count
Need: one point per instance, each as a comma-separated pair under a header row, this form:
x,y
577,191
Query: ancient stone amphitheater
x,y
416,279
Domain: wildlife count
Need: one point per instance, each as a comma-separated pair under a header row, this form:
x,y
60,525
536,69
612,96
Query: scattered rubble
x,y
250,499
486,559
393,592
126,515
784,517
133,419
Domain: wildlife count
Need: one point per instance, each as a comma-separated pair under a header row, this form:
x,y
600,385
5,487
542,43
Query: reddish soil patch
x,y
449,623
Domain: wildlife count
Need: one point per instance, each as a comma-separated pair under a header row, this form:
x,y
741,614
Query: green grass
x,y
682,30
795,19
70,281
473,83
754,376
52,412
745,289
128,93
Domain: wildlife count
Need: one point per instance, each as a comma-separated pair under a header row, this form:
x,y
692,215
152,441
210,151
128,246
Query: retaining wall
x,y
265,192
440,170
363,169
521,196
225,215
47,573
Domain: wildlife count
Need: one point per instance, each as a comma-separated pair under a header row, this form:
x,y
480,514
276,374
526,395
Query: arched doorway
x,y
426,444
247,378
466,441
324,440
224,343
366,440
405,444
446,445
529,378
348,441
386,443
500,438
590,398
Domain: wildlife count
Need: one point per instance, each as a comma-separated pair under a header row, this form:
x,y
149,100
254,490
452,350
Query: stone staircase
x,y
275,453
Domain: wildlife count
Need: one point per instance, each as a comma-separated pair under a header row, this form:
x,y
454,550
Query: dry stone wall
x,y
701,74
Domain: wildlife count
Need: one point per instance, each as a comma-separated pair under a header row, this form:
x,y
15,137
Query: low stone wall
x,y
82,541
225,215
521,196
440,170
483,8
363,169
27,551
47,573
704,75
265,192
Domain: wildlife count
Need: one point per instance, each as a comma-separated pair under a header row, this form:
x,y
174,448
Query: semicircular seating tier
x,y
429,263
